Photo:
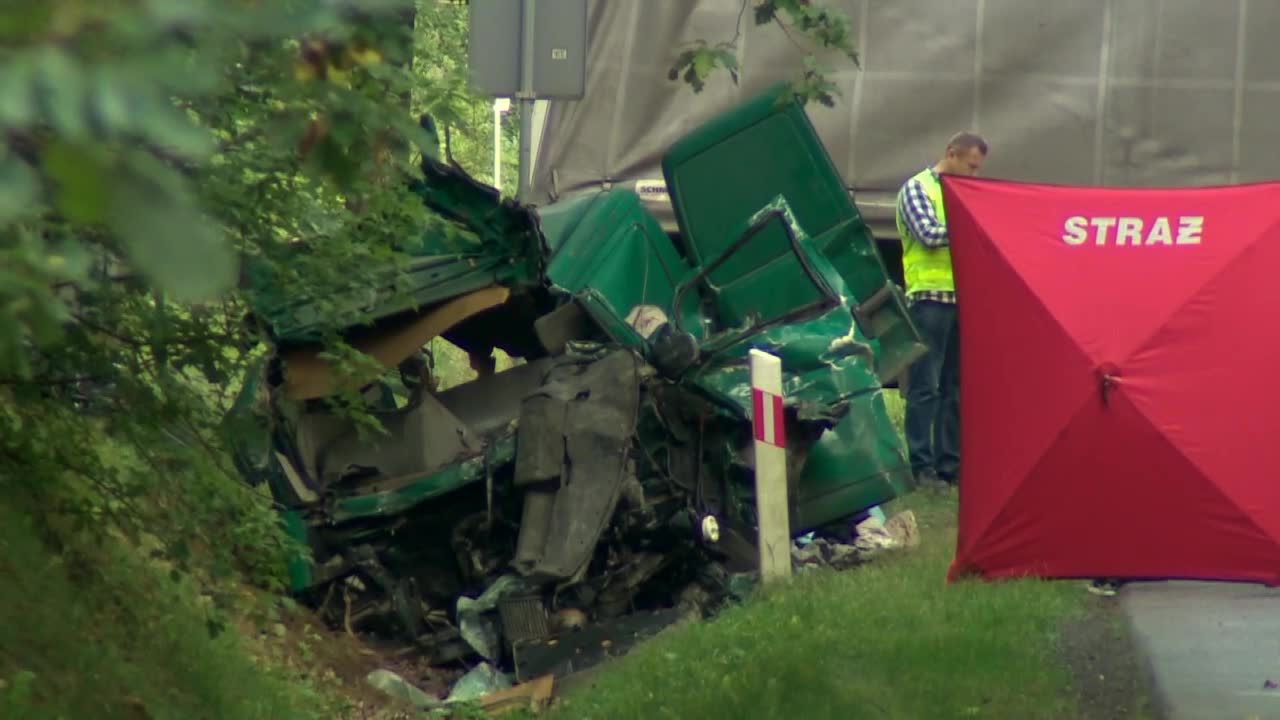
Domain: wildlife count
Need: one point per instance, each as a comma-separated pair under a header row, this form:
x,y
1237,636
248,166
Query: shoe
x,y
927,480
1105,588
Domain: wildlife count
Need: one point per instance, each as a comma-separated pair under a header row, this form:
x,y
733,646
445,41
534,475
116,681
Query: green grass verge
x,y
889,640
94,631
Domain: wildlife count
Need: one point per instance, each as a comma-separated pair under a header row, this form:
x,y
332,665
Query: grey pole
x,y
526,98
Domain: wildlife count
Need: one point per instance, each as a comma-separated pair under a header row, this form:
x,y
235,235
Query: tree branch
x,y
52,382
131,342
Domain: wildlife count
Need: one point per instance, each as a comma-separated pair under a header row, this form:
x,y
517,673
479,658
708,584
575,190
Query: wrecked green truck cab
x,y
785,264
615,456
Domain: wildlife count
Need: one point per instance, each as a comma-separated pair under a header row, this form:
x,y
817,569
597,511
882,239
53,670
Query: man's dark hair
x,y
964,141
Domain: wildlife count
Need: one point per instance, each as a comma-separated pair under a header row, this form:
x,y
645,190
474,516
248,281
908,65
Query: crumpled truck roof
x,y
485,241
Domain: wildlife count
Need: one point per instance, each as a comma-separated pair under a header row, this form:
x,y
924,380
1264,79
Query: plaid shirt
x,y
926,228
942,296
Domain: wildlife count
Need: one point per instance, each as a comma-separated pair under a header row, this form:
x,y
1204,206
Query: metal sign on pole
x,y
772,506
528,50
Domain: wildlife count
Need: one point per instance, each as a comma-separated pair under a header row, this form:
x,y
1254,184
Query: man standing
x,y
933,382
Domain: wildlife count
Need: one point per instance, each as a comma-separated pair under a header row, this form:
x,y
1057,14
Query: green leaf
x,y
179,12
81,185
338,162
111,100
20,690
13,356
414,133
166,127
19,188
123,102
166,236
727,58
176,70
61,91
765,12
703,63
20,20
17,91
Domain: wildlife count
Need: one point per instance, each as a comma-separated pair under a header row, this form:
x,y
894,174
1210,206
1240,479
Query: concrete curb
x,y
1212,648
1159,698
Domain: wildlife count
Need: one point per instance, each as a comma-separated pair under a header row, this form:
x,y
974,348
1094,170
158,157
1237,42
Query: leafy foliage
x,y
156,145
826,27
152,152
441,89
701,60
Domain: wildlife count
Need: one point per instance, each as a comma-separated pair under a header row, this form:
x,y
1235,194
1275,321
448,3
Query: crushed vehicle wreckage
x,y
606,478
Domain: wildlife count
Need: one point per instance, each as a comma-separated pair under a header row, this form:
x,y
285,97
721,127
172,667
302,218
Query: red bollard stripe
x,y
766,418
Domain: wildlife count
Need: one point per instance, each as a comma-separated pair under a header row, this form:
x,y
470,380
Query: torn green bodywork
x,y
612,254
781,261
827,375
857,463
482,241
762,157
818,371
724,171
454,477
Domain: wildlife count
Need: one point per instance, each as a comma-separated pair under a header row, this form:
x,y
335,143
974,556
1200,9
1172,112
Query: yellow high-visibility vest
x,y
925,268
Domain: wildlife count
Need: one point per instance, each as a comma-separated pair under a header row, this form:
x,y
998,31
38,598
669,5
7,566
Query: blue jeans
x,y
933,393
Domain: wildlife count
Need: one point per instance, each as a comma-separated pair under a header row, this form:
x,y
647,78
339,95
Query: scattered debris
x,y
570,619
481,680
476,626
533,696
872,536
825,553
401,689
579,650
740,586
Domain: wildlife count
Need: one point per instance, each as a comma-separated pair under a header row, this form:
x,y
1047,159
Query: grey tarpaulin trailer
x,y
1101,92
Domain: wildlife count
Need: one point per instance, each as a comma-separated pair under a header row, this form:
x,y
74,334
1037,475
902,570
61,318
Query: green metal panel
x,y
766,287
878,306
856,464
725,170
300,575
765,154
560,219
430,280
611,252
817,375
454,477
815,378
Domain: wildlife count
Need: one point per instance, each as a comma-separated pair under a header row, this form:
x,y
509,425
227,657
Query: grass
x,y
897,408
889,640
94,631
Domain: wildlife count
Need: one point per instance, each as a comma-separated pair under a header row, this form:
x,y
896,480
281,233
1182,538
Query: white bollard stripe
x,y
772,503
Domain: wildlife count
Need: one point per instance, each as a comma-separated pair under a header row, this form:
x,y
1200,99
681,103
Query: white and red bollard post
x,y
772,507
